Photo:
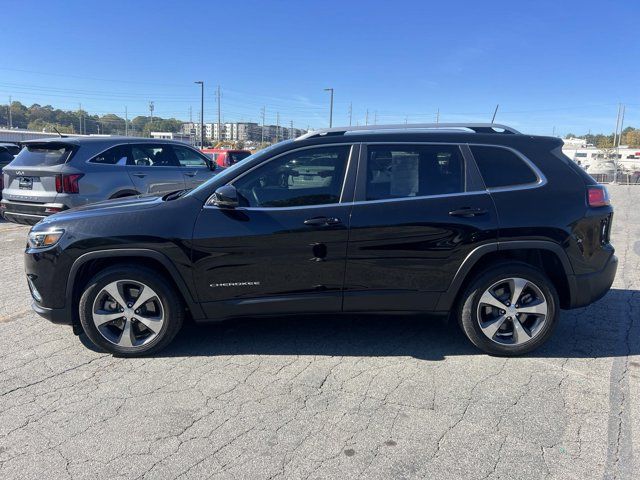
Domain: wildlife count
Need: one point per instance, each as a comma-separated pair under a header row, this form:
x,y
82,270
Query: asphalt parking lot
x,y
384,397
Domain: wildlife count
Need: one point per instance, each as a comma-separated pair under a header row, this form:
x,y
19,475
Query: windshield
x,y
42,155
228,173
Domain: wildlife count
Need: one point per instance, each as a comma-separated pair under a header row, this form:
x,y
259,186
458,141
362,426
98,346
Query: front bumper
x,y
28,213
591,287
54,315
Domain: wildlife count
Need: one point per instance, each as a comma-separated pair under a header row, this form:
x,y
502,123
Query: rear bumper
x,y
28,213
54,315
591,287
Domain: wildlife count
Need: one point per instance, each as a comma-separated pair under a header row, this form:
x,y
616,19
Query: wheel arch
x,y
542,254
124,193
88,264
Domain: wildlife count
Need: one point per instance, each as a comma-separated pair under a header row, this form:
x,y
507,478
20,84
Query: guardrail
x,y
621,178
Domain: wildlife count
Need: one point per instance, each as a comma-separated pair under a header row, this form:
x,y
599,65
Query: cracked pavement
x,y
323,397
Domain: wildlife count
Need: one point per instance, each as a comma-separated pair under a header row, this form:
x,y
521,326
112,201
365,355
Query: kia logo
x,y
19,172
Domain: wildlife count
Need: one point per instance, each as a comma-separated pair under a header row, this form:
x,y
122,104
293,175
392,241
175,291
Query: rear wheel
x,y
130,311
509,310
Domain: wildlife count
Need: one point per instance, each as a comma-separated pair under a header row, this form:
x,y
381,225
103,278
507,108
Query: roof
x,y
100,139
484,128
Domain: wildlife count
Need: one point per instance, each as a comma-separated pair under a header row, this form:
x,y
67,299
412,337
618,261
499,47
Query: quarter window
x,y
397,171
189,158
501,167
153,156
113,156
306,177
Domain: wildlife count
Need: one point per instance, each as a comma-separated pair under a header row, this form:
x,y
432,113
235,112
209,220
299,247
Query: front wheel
x,y
509,310
130,311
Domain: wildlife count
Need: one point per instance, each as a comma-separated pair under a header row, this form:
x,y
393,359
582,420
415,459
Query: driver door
x,y
283,250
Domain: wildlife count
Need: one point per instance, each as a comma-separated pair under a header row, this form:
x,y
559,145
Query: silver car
x,y
55,174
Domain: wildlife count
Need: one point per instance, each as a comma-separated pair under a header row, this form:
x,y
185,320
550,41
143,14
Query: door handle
x,y
190,174
467,212
139,174
321,221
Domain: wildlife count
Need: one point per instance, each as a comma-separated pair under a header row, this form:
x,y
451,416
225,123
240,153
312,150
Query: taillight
x,y
68,183
598,196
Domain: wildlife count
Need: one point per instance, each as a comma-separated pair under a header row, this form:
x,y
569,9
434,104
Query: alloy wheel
x,y
512,311
128,313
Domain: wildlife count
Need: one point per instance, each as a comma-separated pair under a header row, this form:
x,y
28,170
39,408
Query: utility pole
x,y
151,107
438,115
495,112
621,125
277,127
366,118
219,131
263,111
80,118
617,147
201,83
375,117
330,106
126,122
615,134
10,119
350,112
291,129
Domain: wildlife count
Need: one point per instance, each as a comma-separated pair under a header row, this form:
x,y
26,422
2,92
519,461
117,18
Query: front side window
x,y
235,157
501,167
153,156
189,158
113,156
398,171
307,177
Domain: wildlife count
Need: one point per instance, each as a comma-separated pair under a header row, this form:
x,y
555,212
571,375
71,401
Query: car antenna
x,y
61,136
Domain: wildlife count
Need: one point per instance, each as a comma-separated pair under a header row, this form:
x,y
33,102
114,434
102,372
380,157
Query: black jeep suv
x,y
494,227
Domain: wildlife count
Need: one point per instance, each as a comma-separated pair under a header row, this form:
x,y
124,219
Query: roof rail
x,y
474,127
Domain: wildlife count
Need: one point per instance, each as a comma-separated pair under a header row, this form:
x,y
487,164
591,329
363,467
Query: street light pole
x,y
330,107
201,83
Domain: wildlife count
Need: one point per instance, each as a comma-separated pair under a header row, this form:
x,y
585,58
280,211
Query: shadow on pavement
x,y
600,330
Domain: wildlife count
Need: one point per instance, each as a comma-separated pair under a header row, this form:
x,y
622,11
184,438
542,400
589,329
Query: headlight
x,y
44,239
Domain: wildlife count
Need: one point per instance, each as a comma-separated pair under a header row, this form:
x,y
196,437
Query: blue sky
x,y
549,64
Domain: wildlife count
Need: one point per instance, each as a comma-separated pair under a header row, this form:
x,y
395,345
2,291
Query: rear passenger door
x,y
419,210
154,168
195,167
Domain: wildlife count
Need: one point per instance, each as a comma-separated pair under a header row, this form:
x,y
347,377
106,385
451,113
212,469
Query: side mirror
x,y
212,164
225,197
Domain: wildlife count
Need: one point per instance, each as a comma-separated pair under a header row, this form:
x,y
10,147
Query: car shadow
x,y
600,330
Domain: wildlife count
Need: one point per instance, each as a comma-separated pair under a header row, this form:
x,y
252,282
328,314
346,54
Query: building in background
x,y
241,132
177,136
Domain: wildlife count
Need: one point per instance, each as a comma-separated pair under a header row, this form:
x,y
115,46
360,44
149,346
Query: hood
x,y
108,207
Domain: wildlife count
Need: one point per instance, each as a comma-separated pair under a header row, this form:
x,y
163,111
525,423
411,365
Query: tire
x,y
113,320
499,327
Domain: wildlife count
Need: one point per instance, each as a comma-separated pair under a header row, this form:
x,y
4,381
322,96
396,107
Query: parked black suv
x,y
497,228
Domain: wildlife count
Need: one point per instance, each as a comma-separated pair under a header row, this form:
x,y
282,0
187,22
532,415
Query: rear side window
x,y
501,167
153,156
114,156
42,155
397,171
